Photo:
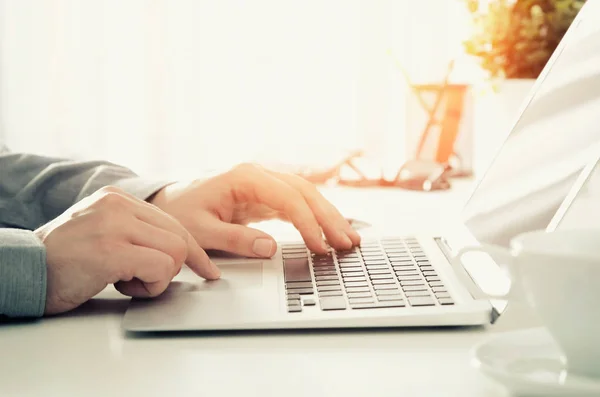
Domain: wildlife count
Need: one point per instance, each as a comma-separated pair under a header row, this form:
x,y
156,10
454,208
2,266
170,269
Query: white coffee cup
x,y
559,275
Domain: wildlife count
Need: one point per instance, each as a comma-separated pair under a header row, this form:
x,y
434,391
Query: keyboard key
x,y
320,259
370,249
432,278
402,273
425,268
421,301
436,284
388,281
411,282
438,289
352,295
429,272
421,287
382,292
294,251
446,301
371,262
382,287
381,276
352,258
361,300
301,291
325,273
299,284
293,296
371,305
321,265
350,270
296,270
356,284
377,267
379,271
415,277
387,298
328,282
357,289
331,293
374,258
349,260
333,303
294,309
329,288
353,279
391,246
410,294
292,302
353,274
391,304
325,278
441,295
398,255
401,262
309,302
351,265
295,255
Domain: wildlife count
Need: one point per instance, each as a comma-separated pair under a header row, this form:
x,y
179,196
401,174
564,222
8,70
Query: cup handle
x,y
500,255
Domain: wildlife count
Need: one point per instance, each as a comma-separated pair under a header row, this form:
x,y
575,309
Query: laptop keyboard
x,y
378,274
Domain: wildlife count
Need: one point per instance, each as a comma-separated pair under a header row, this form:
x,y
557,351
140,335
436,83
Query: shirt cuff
x,y
22,274
141,188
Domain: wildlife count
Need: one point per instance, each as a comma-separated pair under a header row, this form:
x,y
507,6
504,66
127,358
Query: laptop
x,y
403,281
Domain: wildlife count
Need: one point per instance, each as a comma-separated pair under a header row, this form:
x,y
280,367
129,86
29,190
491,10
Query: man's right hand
x,y
111,237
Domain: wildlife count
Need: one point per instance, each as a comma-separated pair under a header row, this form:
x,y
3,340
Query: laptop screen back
x,y
556,135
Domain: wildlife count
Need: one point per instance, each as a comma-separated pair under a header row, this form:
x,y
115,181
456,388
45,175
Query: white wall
x,y
172,87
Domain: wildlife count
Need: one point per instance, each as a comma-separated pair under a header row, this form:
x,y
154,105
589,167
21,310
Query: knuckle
x,y
246,168
233,239
179,251
112,200
110,189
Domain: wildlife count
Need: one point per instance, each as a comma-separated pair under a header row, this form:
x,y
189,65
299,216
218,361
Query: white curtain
x,y
182,86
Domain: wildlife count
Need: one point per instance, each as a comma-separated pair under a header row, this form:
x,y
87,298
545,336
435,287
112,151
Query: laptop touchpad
x,y
236,275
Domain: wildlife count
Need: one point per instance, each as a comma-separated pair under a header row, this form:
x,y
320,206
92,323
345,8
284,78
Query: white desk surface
x,y
85,353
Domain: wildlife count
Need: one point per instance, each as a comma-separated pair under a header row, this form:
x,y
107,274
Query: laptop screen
x,y
556,135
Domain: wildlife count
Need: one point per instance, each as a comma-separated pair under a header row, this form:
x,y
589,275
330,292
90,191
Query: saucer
x,y
528,363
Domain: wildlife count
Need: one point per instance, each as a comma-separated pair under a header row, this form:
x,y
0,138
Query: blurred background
x,y
183,87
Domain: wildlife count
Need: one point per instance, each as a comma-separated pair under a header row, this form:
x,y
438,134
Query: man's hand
x,y
216,211
112,237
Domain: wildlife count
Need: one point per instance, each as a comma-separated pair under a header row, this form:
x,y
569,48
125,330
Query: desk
x,y
85,353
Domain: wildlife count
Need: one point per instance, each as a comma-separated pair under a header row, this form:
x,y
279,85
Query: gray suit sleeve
x,y
33,191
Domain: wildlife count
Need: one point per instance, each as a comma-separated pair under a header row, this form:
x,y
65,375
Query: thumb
x,y
241,240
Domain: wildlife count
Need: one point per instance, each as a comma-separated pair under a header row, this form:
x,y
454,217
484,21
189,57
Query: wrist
x,y
159,198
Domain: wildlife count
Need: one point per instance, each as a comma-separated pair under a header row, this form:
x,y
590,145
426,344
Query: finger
x,y
199,261
180,250
238,239
152,269
196,258
150,236
336,228
264,188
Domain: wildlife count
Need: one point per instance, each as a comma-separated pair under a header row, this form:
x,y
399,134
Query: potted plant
x,y
512,41
515,38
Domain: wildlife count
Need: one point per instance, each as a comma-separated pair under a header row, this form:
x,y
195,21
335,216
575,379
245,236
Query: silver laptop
x,y
414,280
